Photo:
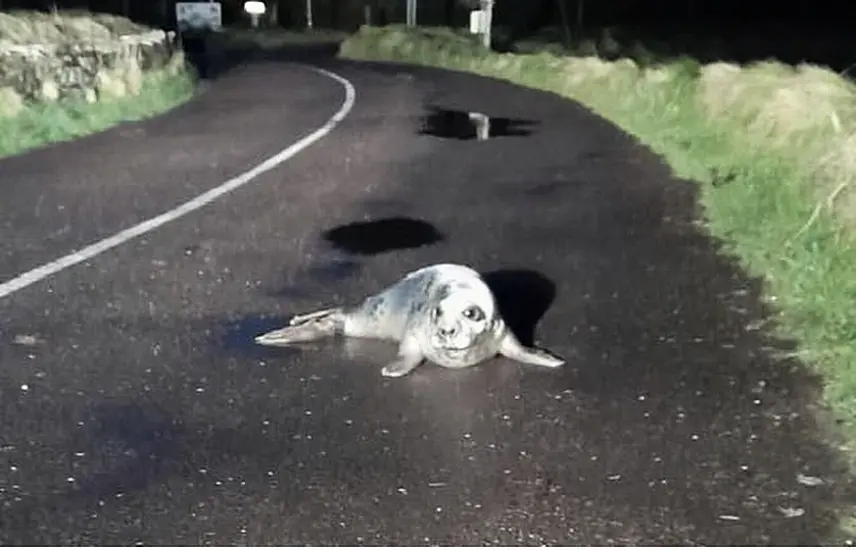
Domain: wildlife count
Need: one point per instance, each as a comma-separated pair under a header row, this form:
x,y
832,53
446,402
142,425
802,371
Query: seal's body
x,y
444,313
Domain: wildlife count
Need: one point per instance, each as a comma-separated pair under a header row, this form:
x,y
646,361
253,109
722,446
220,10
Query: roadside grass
x,y
39,124
774,147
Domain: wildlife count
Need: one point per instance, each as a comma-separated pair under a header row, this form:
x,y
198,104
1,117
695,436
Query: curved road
x,y
135,410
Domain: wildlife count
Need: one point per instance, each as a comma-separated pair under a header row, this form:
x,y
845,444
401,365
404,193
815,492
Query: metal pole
x,y
411,13
308,14
487,18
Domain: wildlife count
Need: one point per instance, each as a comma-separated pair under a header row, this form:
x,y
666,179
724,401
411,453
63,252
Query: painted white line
x,y
35,275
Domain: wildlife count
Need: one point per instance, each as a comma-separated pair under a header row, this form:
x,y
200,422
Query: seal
x,y
444,313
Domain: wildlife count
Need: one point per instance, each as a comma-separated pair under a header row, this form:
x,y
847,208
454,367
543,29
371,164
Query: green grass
x,y
785,134
43,123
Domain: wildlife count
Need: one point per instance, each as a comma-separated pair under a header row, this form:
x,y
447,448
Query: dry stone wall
x,y
81,67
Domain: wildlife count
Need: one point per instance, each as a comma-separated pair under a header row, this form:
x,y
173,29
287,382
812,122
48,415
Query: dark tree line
x,y
520,16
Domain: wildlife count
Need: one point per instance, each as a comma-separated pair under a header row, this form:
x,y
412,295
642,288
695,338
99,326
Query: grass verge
x,y
43,123
773,145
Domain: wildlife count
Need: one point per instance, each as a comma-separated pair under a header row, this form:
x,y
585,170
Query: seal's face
x,y
461,318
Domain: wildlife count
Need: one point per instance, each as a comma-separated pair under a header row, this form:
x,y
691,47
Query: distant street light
x,y
255,9
309,14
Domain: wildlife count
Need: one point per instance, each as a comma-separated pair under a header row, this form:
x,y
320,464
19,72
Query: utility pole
x,y
308,14
410,20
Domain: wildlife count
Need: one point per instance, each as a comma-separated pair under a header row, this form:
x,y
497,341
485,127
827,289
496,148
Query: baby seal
x,y
444,313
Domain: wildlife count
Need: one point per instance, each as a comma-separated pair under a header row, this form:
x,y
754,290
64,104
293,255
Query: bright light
x,y
254,7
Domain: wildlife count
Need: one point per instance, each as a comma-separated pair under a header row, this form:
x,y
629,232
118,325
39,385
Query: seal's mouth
x,y
452,344
454,347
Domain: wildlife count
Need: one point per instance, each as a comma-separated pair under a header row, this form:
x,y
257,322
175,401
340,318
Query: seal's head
x,y
463,315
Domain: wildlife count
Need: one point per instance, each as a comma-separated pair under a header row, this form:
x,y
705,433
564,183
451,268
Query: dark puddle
x,y
464,125
378,236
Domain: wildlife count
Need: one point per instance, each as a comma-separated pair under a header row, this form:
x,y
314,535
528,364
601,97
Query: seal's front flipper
x,y
304,328
402,365
513,349
409,357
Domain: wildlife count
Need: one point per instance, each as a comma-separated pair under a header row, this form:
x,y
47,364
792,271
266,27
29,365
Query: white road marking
x,y
35,275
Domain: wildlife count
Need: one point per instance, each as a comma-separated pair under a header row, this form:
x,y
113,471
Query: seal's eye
x,y
436,312
474,313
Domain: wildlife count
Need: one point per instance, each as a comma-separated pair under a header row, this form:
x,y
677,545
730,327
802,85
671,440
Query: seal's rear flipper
x,y
513,349
305,328
303,317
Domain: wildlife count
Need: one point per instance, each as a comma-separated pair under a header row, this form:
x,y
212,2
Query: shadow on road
x,y
211,58
213,55
523,296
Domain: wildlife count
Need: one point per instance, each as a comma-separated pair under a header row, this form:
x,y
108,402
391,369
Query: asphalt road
x,y
134,408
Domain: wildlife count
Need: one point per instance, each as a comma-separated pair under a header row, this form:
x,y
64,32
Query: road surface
x,y
134,408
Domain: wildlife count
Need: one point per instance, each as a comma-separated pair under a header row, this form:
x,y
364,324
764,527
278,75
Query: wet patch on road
x,y
326,269
383,235
469,125
332,271
239,338
122,448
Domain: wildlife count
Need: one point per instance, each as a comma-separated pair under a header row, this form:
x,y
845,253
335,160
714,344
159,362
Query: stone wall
x,y
79,68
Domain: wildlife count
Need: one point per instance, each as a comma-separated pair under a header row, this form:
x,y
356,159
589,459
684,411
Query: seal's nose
x,y
447,331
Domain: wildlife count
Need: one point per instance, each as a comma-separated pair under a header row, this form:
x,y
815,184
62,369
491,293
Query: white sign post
x,y
476,21
198,16
255,9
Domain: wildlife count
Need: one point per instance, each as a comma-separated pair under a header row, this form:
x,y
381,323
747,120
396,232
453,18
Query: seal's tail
x,y
305,328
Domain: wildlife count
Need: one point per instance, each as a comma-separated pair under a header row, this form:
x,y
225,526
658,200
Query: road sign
x,y
198,16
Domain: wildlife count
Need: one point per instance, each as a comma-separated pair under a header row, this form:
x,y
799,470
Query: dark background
x,y
731,30
523,15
